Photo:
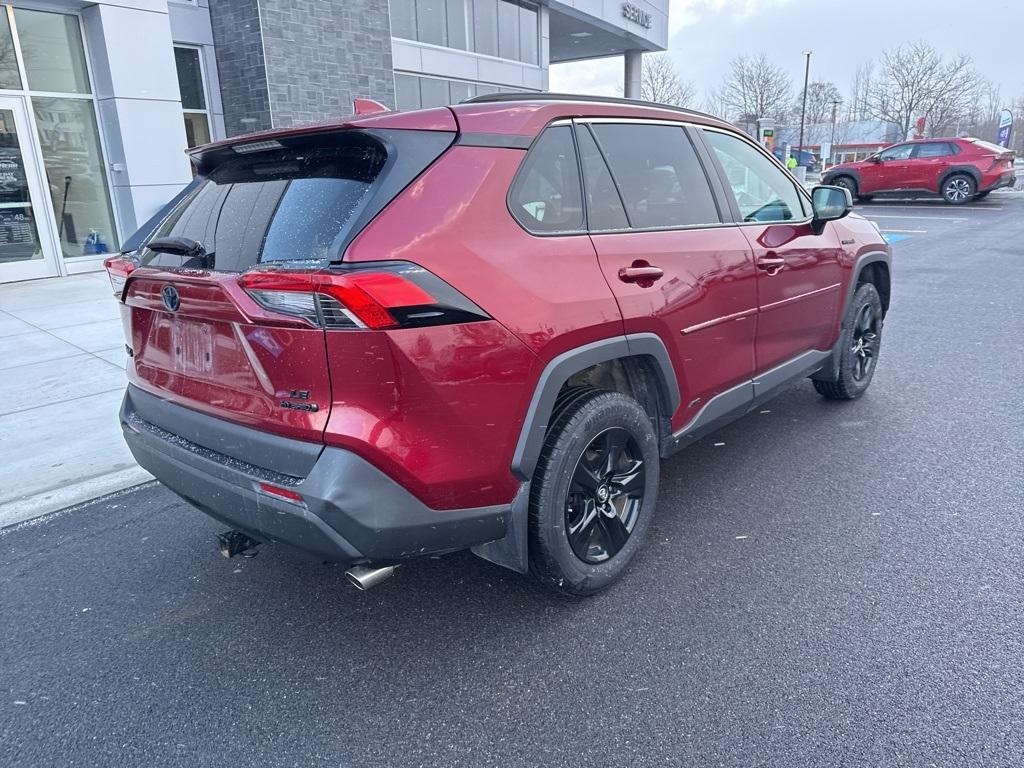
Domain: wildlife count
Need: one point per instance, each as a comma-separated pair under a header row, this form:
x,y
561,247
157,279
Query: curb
x,y
55,499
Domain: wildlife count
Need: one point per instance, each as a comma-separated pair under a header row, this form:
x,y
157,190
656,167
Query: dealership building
x,y
98,100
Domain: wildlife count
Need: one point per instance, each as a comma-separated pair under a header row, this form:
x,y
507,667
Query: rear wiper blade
x,y
190,250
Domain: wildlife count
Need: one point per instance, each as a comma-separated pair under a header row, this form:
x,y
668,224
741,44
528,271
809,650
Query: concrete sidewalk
x,y
62,363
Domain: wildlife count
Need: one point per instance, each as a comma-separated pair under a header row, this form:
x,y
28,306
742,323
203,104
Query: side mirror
x,y
830,203
875,159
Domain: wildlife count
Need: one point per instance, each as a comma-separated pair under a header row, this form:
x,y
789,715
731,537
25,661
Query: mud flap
x,y
830,368
510,551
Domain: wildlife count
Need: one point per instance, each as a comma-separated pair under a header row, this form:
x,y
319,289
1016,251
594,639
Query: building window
x,y
505,28
51,45
416,92
9,75
53,57
193,95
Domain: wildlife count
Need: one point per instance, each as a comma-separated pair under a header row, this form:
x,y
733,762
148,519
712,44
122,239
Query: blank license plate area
x,y
192,347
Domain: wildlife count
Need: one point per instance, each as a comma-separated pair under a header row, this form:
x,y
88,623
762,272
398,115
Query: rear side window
x,y
278,205
604,205
763,191
661,180
546,197
934,149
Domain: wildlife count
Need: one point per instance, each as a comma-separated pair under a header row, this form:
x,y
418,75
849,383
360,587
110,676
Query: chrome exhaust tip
x,y
364,578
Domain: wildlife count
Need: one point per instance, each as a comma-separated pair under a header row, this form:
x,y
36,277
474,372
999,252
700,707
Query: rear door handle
x,y
641,273
771,264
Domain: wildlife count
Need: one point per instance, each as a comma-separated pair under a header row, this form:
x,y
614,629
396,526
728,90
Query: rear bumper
x,y
1008,179
351,512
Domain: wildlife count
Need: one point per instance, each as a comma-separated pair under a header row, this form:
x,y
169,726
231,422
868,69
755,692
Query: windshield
x,y
281,205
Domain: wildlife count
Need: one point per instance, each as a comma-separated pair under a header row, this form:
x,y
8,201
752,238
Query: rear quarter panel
x,y
461,392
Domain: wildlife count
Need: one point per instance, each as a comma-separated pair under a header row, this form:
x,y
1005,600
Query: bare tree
x,y
661,82
984,122
714,105
820,96
756,87
857,106
915,81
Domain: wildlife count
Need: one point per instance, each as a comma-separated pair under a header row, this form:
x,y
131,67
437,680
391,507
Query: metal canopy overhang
x,y
575,36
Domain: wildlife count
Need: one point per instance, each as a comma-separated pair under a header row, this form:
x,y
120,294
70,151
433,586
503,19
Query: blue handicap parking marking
x,y
894,238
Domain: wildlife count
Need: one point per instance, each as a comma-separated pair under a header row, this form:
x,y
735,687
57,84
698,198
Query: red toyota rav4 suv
x,y
960,170
480,326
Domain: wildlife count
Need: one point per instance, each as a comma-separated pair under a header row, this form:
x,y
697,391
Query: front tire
x,y
847,183
959,189
859,346
593,493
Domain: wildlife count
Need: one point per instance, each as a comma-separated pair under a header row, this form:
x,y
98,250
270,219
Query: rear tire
x,y
959,189
859,345
593,493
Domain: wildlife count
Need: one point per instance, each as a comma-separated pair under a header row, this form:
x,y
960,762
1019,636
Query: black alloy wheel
x,y
605,496
857,349
593,492
866,331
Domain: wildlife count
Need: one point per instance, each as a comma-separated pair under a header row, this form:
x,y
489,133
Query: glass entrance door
x,y
27,242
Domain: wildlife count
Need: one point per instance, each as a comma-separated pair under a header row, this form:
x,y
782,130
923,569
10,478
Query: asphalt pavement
x,y
825,584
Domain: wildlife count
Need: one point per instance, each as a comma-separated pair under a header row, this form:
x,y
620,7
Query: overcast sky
x,y
705,34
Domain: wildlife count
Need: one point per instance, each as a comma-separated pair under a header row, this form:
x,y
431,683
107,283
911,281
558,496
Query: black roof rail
x,y
487,98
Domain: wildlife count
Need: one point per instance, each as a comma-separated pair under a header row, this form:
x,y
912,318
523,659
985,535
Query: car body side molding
x,y
738,400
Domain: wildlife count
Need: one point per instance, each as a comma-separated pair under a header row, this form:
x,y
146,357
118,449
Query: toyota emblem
x,y
171,299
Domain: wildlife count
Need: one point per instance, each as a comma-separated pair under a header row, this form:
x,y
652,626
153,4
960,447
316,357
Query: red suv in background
x,y
959,170
480,326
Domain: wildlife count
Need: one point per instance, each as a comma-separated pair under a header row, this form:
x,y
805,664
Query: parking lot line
x,y
906,231
918,207
900,216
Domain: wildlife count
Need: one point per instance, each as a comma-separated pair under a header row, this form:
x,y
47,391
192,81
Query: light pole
x,y
832,143
803,108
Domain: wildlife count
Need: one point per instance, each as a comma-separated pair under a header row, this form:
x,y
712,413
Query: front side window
x,y
657,171
762,190
546,197
902,152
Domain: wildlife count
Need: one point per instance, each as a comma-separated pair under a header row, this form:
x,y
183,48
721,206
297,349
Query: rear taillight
x,y
375,296
118,268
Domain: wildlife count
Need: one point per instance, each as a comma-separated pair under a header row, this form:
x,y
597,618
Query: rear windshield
x,y
287,204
